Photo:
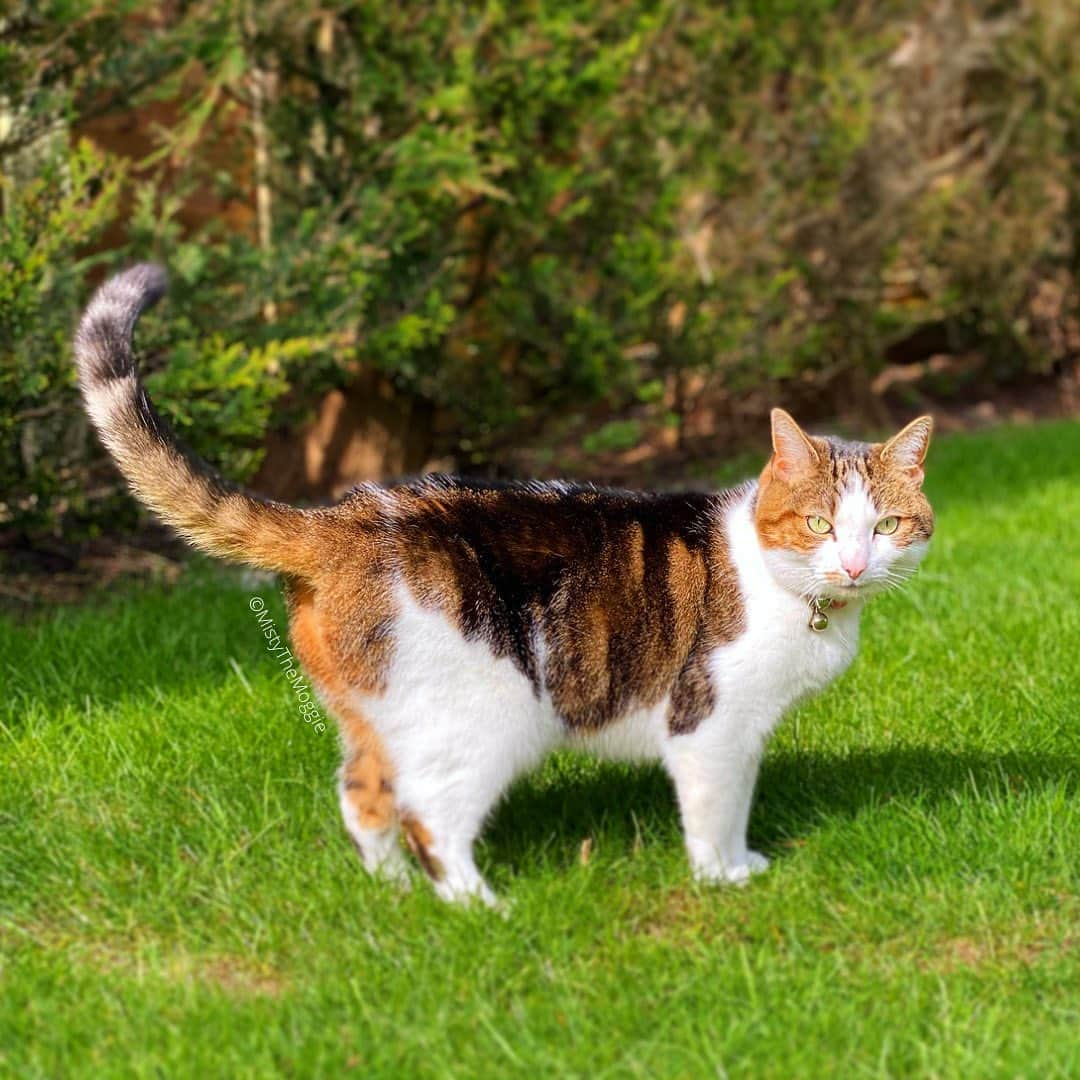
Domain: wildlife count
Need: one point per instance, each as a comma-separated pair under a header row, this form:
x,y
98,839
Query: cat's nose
x,y
854,565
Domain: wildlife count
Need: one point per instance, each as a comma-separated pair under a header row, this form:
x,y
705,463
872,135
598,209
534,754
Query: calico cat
x,y
459,631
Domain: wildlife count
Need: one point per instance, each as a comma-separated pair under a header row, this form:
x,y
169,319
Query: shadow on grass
x,y
133,646
797,793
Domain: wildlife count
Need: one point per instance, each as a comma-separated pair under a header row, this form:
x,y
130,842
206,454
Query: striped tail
x,y
183,491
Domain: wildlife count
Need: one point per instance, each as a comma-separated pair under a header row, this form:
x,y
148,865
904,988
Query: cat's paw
x,y
393,872
735,872
468,892
756,863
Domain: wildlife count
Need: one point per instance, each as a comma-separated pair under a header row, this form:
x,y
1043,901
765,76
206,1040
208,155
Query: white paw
x,y
469,892
395,871
756,862
382,858
486,897
730,872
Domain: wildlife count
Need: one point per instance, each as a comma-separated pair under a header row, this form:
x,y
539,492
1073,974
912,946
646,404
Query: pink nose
x,y
854,566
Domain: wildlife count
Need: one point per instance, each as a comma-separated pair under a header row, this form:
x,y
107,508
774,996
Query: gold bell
x,y
818,619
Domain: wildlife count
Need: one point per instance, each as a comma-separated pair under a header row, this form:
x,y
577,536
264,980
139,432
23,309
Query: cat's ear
x,y
907,449
793,452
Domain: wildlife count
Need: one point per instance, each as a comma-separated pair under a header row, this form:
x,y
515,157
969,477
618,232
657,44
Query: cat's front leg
x,y
714,770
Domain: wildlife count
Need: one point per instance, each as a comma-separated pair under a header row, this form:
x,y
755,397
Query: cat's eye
x,y
887,525
818,524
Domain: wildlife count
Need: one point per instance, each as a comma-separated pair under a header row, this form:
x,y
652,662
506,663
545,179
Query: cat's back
x,y
524,536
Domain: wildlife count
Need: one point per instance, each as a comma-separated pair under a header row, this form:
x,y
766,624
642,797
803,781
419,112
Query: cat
x,y
459,631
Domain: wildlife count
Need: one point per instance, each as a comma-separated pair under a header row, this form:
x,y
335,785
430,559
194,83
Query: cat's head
x,y
839,519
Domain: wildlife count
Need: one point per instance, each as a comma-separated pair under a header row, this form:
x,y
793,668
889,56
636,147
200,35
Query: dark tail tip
x,y
103,339
146,280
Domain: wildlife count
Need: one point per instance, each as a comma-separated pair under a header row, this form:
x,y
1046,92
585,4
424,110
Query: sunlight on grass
x,y
177,895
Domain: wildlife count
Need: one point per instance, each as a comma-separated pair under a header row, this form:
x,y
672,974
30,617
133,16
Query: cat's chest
x,y
779,659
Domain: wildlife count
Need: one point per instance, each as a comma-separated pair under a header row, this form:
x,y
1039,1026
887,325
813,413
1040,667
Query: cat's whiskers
x,y
894,578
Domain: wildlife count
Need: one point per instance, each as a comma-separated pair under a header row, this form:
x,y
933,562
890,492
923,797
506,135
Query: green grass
x,y
177,896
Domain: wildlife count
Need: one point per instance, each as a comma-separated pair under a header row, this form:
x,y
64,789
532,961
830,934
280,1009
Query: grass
x,y
178,898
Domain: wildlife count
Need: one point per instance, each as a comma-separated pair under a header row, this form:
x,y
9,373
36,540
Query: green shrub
x,y
43,435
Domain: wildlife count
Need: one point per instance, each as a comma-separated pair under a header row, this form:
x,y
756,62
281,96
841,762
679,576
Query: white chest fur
x,y
778,659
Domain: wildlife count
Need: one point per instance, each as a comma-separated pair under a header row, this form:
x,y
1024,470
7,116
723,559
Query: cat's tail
x,y
204,508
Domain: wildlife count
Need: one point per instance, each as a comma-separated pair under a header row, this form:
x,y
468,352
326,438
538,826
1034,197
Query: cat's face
x,y
843,520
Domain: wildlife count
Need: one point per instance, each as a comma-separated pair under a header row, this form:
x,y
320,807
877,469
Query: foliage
x,y
178,896
518,211
42,433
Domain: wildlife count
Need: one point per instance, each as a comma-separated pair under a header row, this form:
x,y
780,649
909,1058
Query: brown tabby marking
x,y
366,779
895,492
620,587
420,842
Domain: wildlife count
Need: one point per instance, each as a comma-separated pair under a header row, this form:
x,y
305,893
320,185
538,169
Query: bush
x,y
43,435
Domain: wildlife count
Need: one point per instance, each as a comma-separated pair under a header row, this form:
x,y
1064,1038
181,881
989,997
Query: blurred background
x,y
593,238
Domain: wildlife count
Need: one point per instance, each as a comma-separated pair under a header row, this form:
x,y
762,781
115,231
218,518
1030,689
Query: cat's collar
x,y
819,605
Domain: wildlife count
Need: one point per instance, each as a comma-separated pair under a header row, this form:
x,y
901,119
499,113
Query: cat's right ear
x,y
793,452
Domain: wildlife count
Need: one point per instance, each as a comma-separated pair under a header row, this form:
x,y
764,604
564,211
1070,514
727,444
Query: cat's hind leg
x,y
445,854
450,771
342,652
460,725
366,793
447,788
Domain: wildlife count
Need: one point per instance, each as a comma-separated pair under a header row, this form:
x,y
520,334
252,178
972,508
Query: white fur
x,y
116,306
378,847
460,724
638,736
852,542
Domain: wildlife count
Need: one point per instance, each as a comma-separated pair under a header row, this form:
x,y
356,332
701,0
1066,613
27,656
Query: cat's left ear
x,y
907,449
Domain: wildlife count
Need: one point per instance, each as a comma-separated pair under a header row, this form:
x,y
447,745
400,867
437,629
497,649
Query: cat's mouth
x,y
863,590
844,591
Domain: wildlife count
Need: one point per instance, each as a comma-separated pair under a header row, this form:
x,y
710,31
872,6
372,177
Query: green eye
x,y
818,525
887,525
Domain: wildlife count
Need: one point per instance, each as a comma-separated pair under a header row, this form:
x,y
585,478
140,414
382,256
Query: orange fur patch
x,y
420,842
367,773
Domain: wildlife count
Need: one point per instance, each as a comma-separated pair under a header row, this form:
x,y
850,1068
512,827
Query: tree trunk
x,y
261,83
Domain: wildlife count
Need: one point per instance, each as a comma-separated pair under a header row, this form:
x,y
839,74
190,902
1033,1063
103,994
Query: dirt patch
x,y
691,918
230,974
65,572
1021,947
688,916
140,959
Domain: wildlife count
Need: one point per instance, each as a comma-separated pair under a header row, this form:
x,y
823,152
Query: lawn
x,y
178,897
